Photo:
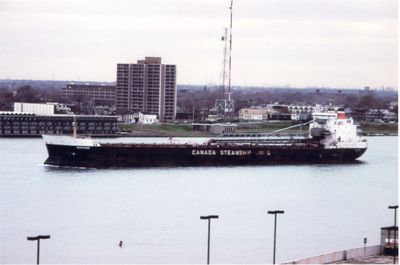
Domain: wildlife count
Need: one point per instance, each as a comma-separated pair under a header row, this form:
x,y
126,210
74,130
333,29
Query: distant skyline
x,y
340,43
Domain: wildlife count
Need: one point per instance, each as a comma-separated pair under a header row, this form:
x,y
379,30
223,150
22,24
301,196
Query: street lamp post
x,y
276,212
394,207
365,244
37,238
209,217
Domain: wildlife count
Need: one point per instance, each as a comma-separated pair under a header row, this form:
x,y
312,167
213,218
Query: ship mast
x,y
74,133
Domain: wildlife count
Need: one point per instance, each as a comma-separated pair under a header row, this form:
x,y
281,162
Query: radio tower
x,y
229,101
224,107
219,108
224,73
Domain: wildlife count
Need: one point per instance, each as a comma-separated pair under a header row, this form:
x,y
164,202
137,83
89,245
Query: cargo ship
x,y
332,138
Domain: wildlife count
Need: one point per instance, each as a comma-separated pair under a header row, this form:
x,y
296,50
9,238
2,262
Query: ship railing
x,y
227,144
262,135
265,143
262,138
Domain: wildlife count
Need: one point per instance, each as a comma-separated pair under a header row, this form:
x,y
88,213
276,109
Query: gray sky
x,y
336,43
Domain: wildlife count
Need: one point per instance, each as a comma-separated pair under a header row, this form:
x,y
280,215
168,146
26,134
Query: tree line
x,y
202,99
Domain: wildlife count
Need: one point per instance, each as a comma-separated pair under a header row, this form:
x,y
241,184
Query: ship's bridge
x,y
336,130
323,117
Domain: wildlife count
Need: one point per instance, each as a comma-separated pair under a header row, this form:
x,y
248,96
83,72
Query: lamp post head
x,y
276,212
393,207
209,217
34,238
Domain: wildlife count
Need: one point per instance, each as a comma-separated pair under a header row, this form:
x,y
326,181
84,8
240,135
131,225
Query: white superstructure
x,y
68,140
338,130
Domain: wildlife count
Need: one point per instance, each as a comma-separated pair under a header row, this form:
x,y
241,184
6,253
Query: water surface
x,y
156,211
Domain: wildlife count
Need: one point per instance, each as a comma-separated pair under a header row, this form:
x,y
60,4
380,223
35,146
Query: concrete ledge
x,y
338,256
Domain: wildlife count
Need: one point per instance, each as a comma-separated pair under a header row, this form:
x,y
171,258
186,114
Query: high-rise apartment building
x,y
147,86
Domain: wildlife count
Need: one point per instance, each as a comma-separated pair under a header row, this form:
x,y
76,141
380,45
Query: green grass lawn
x,y
378,127
161,129
185,130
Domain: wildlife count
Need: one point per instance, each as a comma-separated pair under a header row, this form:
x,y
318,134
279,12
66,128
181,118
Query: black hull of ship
x,y
112,156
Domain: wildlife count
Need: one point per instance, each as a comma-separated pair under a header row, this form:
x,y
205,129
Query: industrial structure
x,y
148,87
35,119
224,107
30,124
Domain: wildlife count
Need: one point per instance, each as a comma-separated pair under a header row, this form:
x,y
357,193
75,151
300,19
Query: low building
x,y
147,118
305,108
223,128
127,118
35,108
139,118
49,108
278,111
303,112
255,113
215,128
90,92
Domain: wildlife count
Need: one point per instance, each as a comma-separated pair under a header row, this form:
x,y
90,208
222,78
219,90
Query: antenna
x,y
224,73
74,131
224,107
229,101
230,52
219,108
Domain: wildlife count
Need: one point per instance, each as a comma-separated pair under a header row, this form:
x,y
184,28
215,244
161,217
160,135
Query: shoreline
x,y
186,130
162,135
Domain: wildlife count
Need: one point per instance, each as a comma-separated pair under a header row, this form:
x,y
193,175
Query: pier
x,y
20,124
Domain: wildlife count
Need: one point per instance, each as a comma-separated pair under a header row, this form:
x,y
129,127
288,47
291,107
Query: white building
x,y
139,118
127,118
35,108
255,113
303,112
147,118
49,108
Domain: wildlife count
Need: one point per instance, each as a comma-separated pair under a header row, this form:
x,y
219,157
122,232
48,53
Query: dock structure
x,y
23,124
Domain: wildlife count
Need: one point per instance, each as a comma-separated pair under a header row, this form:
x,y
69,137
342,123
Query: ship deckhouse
x,y
337,129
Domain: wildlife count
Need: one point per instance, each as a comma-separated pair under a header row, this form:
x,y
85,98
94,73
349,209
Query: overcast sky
x,y
337,43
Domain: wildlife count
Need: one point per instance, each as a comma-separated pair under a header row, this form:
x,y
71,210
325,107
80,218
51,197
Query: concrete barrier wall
x,y
359,252
339,255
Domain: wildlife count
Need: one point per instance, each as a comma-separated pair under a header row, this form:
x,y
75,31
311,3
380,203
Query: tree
x,y
369,101
26,94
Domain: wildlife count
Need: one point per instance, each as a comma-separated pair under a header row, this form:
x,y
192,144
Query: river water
x,y
155,212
